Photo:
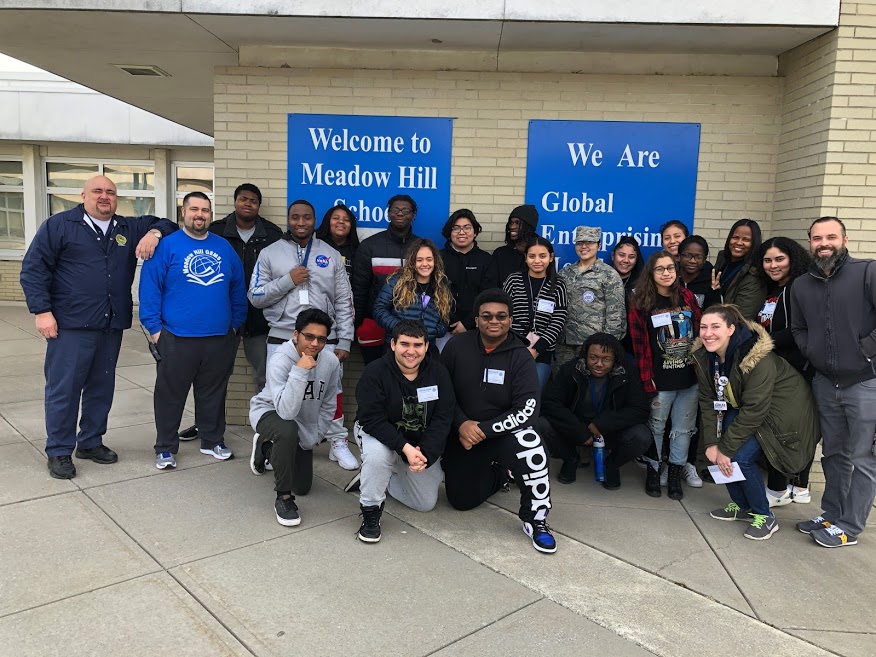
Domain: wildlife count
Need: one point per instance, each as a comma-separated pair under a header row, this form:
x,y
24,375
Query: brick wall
x,y
10,288
741,124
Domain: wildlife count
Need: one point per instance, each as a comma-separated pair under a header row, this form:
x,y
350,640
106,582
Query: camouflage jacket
x,y
596,302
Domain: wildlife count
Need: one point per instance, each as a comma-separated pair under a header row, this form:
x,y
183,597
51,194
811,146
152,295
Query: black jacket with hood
x,y
266,233
626,403
469,274
389,409
498,408
833,320
701,286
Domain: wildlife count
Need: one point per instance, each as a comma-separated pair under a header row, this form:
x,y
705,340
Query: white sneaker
x,y
690,476
778,500
340,452
664,476
800,495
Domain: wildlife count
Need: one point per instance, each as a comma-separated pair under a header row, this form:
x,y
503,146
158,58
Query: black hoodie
x,y
469,274
701,287
499,390
389,409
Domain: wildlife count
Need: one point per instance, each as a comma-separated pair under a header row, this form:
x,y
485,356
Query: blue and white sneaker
x,y
542,538
220,452
165,460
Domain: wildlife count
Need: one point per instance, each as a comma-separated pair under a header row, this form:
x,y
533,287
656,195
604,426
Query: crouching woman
x,y
753,403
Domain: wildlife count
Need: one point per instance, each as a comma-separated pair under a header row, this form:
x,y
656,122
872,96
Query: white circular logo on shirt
x,y
589,296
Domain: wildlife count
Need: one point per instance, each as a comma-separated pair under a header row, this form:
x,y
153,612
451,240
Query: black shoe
x,y
674,491
61,467
569,470
353,486
706,475
369,531
100,454
302,474
612,478
257,455
189,434
287,511
652,481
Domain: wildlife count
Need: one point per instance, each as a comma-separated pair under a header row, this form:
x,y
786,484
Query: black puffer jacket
x,y
266,233
469,274
563,403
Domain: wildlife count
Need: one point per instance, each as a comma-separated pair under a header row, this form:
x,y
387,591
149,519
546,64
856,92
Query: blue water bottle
x,y
599,458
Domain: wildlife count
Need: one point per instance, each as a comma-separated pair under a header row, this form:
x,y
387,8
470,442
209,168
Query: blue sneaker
x,y
542,538
219,452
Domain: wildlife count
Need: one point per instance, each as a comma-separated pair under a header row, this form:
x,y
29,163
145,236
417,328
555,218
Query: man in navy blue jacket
x,y
77,276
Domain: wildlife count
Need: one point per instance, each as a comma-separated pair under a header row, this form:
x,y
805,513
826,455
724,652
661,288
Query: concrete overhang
x,y
84,41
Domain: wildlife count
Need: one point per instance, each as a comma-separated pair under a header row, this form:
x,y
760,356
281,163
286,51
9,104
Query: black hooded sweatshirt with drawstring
x,y
498,408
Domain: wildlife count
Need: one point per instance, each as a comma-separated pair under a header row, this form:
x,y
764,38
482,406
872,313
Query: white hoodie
x,y
307,396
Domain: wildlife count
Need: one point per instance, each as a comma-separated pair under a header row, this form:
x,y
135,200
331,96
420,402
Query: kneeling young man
x,y
497,394
295,410
405,407
594,395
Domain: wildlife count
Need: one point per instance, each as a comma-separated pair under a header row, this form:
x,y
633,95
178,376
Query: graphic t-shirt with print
x,y
670,345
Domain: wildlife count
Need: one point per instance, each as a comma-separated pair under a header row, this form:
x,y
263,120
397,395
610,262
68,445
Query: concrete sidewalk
x,y
127,560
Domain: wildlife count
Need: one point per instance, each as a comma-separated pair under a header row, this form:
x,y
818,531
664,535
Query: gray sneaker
x,y
165,460
219,452
762,527
731,512
809,526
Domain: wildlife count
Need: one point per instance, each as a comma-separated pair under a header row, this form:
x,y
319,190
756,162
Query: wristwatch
x,y
156,233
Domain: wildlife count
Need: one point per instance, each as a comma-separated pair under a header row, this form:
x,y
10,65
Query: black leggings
x,y
779,482
472,476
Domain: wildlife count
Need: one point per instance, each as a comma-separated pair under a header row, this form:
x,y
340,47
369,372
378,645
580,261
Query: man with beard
x,y
833,320
192,301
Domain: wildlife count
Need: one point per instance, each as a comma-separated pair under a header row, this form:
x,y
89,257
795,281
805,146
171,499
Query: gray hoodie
x,y
307,396
328,288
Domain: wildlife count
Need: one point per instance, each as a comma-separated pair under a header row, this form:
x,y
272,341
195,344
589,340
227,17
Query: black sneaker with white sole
x,y
257,456
287,511
353,486
369,530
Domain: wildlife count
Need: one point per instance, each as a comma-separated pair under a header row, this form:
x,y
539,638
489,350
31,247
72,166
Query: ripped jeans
x,y
681,406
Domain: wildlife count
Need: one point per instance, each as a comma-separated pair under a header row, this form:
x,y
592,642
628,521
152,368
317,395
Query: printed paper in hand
x,y
721,479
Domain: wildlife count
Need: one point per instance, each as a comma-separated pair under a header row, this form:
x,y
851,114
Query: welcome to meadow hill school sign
x,y
362,161
629,178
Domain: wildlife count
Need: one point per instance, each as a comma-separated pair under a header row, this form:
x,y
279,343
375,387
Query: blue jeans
x,y
681,405
544,372
751,493
848,422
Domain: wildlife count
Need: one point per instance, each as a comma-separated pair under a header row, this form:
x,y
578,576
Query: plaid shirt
x,y
638,323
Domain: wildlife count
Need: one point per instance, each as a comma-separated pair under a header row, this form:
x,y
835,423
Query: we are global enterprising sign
x,y
627,178
363,161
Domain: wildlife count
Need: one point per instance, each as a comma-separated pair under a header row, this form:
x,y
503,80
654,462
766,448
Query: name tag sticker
x,y
720,405
545,306
427,394
769,308
663,319
496,376
304,297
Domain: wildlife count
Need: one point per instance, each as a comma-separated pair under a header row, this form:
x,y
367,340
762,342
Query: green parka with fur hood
x,y
775,404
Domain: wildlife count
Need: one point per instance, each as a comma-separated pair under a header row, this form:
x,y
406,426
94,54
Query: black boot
x,y
369,531
652,481
569,469
674,486
612,477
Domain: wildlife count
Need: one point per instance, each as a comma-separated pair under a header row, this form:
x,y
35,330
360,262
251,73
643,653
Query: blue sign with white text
x,y
627,178
363,161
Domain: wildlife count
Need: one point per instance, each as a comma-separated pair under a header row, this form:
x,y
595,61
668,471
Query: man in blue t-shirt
x,y
192,302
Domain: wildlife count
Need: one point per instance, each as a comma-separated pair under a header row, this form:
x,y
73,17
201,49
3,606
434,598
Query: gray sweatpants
x,y
848,422
384,471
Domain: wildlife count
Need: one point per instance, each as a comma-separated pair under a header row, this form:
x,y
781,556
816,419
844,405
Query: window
x,y
11,205
135,184
191,177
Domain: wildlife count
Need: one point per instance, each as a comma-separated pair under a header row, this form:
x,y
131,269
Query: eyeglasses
x,y
602,360
310,337
468,228
402,212
670,269
692,256
489,317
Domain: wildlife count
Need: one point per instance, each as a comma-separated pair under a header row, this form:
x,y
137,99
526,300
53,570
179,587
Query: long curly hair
x,y
645,296
404,294
799,257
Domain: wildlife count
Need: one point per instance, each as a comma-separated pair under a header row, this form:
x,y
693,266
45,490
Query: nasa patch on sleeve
x,y
322,261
